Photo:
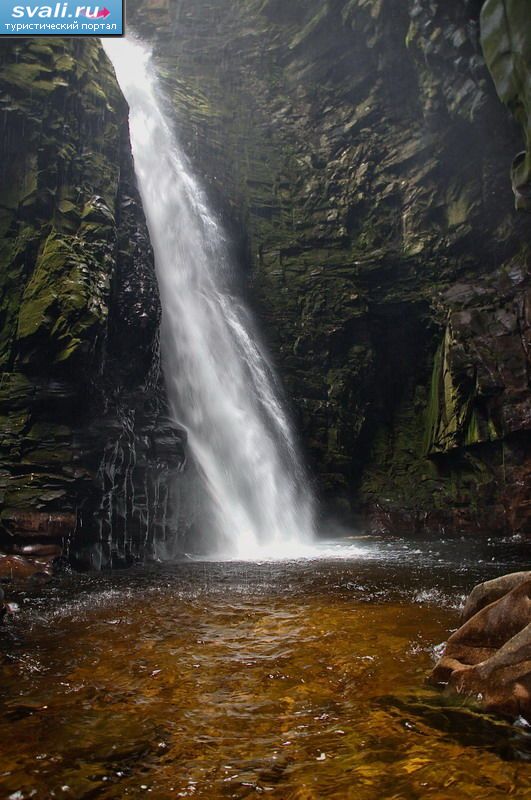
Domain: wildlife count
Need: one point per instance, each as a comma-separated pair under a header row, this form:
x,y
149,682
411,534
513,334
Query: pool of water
x,y
297,680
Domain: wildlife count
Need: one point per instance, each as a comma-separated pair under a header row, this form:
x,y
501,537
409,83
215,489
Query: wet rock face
x,y
81,396
489,657
506,41
360,157
32,541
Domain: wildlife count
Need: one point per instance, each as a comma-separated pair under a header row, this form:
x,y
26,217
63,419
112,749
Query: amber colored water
x,y
294,680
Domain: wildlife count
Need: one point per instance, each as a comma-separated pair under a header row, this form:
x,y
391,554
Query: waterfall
x,y
219,384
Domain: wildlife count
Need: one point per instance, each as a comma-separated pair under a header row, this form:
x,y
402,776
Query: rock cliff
x,y
507,48
86,448
360,156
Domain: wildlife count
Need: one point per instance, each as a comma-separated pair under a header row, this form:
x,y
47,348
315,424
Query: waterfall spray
x,y
219,384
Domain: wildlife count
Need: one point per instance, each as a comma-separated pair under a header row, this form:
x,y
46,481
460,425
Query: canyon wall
x,y
359,155
87,452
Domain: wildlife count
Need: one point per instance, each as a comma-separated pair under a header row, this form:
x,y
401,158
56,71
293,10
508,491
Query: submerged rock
x,y
37,550
489,656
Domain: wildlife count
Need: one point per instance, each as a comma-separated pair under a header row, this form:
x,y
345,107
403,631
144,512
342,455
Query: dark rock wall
x,y
506,40
360,156
84,437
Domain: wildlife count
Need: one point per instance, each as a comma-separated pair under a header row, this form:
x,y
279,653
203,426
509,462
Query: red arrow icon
x,y
99,14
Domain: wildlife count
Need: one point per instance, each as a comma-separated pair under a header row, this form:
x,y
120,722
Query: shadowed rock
x,y
78,296
364,177
31,541
34,524
20,568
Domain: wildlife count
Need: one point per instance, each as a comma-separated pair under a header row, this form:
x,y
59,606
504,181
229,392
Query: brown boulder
x,y
485,593
490,655
20,568
504,680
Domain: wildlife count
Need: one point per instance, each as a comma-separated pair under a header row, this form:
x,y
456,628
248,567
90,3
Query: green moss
x,y
12,424
472,434
506,42
459,205
67,207
28,78
311,26
64,302
41,50
43,431
431,424
65,63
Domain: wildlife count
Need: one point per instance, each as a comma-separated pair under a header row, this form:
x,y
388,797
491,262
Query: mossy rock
x,y
65,303
506,42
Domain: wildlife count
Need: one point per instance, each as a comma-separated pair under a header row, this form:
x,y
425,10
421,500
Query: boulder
x,y
485,593
21,568
489,656
30,541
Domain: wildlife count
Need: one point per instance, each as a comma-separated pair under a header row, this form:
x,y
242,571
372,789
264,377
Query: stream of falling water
x,y
219,384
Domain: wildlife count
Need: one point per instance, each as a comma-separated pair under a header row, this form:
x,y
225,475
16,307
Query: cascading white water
x,y
218,381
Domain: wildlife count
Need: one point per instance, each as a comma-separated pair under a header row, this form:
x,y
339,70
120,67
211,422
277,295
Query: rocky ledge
x,y
489,656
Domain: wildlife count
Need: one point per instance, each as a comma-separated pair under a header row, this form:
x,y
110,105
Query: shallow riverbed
x,y
298,680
